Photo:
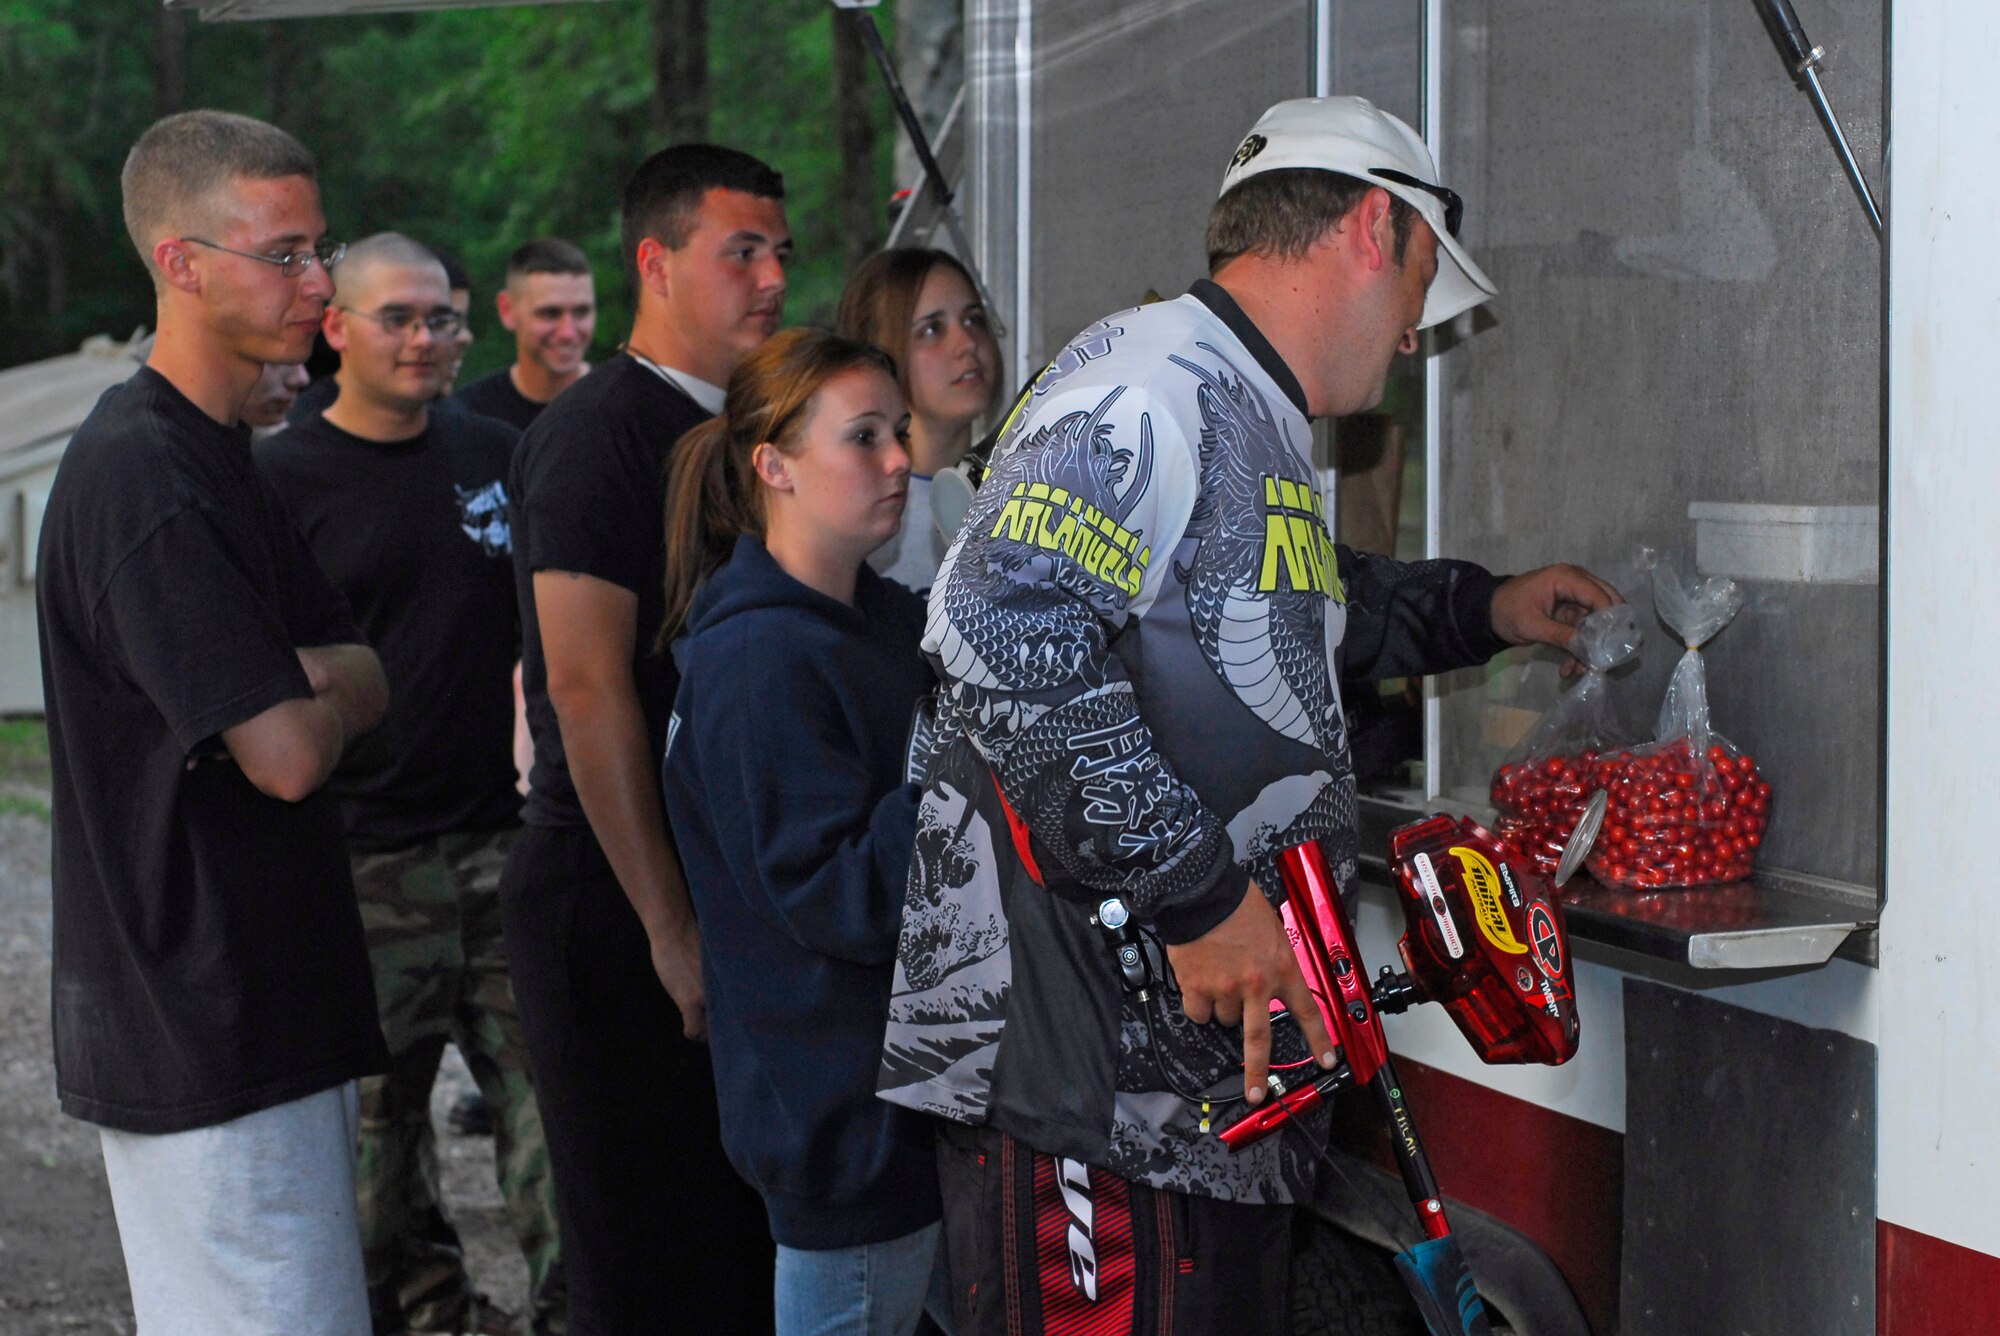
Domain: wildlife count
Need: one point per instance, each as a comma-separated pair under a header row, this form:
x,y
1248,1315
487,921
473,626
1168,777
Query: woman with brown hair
x,y
922,308
783,778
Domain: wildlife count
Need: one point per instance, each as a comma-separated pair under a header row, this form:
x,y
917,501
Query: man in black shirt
x,y
212,1004
406,510
550,306
606,957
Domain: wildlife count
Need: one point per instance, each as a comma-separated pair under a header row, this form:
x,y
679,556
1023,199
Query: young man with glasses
x,y
212,1002
405,507
313,399
550,307
659,1233
1142,631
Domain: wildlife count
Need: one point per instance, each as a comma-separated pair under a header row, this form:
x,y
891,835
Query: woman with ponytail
x,y
922,307
800,670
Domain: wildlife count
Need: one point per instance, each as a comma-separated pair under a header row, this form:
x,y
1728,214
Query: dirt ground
x,y
60,1268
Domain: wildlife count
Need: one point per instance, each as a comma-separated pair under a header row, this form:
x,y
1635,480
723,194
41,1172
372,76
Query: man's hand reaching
x,y
1543,607
1231,974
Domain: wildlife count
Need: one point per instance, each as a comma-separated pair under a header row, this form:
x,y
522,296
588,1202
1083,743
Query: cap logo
x,y
1247,150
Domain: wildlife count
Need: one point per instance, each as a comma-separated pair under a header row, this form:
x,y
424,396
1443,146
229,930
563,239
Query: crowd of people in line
x,y
803,933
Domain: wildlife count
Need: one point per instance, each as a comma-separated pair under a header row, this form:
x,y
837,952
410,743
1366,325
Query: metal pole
x,y
933,174
1802,58
1832,125
1433,132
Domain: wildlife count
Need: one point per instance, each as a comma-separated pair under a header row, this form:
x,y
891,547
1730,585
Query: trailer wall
x,y
1940,992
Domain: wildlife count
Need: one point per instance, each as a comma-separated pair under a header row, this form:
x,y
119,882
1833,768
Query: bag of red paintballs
x,y
1540,789
1688,809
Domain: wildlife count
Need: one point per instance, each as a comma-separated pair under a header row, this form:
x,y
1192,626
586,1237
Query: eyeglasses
x,y
398,321
1454,207
326,254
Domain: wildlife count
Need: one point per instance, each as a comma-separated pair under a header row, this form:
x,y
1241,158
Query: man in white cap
x,y
1141,630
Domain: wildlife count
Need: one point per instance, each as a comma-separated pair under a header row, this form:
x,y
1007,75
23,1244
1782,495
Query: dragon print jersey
x,y
1139,628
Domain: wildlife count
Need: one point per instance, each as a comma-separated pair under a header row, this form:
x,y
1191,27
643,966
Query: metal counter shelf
x,y
1776,920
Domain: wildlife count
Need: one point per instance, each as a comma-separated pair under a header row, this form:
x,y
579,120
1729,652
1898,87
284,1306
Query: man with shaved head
x,y
212,1001
313,399
405,507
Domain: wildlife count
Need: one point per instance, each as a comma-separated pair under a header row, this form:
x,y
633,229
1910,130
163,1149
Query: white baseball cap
x,y
1354,137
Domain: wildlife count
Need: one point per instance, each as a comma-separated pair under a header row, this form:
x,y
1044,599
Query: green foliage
x,y
24,768
24,748
771,73
474,129
70,73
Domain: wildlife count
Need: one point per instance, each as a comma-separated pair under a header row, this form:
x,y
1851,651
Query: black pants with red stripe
x,y
1043,1246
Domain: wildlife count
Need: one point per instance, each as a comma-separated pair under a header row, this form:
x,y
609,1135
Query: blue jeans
x,y
877,1289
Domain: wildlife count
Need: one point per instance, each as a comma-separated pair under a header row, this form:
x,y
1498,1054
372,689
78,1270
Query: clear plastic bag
x,y
1688,809
1540,789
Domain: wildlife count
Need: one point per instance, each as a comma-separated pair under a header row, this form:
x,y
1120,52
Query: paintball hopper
x,y
1485,939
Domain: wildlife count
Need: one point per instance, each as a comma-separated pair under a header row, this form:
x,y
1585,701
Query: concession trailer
x,y
1782,1116
1780,1119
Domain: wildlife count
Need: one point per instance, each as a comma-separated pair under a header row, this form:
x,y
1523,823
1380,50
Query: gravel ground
x,y
60,1268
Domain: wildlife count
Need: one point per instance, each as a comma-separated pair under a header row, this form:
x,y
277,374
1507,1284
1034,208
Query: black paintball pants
x,y
1039,1245
658,1233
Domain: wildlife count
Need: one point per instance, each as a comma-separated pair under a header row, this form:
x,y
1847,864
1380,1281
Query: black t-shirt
x,y
208,951
494,396
313,400
589,485
415,534
318,396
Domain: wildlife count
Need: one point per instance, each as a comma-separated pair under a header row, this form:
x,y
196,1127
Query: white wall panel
x,y
1940,991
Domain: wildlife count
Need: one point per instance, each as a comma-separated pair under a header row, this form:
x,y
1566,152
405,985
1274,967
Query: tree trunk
x,y
170,62
854,125
284,76
680,70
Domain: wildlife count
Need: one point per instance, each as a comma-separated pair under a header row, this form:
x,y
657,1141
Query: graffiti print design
x,y
482,514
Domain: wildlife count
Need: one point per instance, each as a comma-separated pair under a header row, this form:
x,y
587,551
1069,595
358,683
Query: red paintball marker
x,y
1484,937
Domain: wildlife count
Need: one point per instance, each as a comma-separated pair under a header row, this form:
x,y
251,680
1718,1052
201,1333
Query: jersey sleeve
x,y
1066,544
1406,619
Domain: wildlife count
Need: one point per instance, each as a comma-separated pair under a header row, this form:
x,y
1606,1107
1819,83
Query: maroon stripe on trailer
x,y
1083,1249
1925,1286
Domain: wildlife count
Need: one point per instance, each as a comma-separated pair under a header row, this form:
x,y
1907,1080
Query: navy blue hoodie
x,y
784,783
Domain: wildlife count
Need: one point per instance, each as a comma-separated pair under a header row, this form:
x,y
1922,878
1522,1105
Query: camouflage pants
x,y
432,917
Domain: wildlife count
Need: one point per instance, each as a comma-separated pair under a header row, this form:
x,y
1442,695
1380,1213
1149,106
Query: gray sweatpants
x,y
245,1227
